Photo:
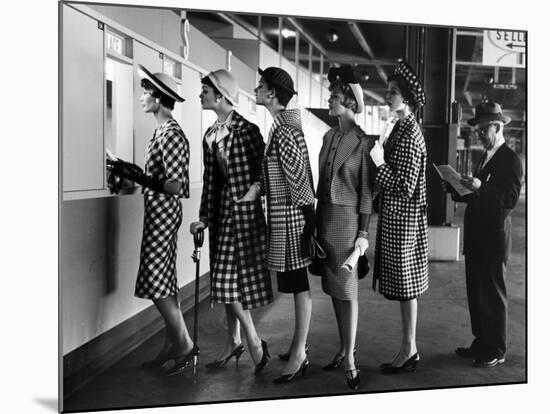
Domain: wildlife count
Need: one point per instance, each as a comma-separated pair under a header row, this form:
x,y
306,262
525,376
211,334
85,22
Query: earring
x,y
157,100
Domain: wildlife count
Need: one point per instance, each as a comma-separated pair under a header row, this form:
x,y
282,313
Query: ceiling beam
x,y
359,60
365,46
310,38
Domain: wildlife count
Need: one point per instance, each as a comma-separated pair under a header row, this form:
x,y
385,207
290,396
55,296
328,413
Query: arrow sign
x,y
513,45
504,48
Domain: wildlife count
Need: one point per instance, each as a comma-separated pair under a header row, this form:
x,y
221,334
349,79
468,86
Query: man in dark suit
x,y
495,190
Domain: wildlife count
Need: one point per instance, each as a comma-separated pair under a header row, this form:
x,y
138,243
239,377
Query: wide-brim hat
x,y
226,84
278,77
346,75
162,81
404,70
487,112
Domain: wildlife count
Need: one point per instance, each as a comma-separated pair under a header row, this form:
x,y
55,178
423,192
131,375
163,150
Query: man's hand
x,y
471,183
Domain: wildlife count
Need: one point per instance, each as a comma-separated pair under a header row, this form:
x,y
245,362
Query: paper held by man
x,y
449,174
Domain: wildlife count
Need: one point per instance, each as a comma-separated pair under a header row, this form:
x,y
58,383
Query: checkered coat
x,y
237,230
401,255
287,184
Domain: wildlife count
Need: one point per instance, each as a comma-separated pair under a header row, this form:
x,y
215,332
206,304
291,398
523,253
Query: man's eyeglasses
x,y
483,129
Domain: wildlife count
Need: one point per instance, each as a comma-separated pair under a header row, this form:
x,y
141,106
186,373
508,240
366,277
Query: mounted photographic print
x,y
260,207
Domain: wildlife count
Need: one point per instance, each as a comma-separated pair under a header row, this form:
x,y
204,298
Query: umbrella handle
x,y
198,238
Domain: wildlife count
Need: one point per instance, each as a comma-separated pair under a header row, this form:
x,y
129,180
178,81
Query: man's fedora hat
x,y
226,84
164,82
488,111
346,75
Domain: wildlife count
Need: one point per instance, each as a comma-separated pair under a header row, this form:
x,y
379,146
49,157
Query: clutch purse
x,y
318,254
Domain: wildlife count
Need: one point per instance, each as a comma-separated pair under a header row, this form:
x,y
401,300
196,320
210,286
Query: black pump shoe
x,y
283,379
286,356
353,381
265,359
408,366
182,362
159,360
237,352
336,362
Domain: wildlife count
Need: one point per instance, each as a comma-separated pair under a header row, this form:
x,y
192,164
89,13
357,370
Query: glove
x,y
377,154
362,243
309,228
196,226
135,173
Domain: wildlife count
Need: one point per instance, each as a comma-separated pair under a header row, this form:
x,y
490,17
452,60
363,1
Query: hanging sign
x,y
504,48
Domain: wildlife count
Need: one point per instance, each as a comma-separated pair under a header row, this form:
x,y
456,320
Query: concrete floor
x,y
443,324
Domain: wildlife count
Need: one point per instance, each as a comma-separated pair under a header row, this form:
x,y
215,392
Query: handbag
x,y
318,255
363,267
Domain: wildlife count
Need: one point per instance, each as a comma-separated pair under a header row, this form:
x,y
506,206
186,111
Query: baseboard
x,y
89,360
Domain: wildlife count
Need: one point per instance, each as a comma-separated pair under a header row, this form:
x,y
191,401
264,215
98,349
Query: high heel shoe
x,y
286,356
237,352
353,381
182,362
283,379
265,359
408,366
336,362
161,359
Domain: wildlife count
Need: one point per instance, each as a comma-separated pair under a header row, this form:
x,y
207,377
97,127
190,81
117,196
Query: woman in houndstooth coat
x,y
165,181
401,255
233,151
288,186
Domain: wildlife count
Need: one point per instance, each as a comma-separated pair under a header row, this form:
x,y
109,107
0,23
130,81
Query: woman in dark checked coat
x,y
401,256
233,150
343,209
165,181
288,186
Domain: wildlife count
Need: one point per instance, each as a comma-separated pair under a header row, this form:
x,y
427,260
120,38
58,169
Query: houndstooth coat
x,y
237,230
287,184
401,256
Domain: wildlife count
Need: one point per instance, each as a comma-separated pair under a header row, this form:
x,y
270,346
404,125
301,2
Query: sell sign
x,y
504,48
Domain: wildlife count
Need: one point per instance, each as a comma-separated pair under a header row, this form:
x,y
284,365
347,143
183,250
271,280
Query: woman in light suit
x,y
343,210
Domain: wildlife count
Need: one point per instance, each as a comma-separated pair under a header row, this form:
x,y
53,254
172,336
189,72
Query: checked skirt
x,y
157,265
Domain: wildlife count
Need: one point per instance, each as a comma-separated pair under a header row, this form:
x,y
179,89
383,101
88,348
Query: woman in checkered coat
x,y
233,151
343,210
165,181
401,256
288,186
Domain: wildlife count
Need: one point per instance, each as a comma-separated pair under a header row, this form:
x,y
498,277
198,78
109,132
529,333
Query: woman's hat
x,y
346,74
279,78
404,71
162,81
488,111
226,84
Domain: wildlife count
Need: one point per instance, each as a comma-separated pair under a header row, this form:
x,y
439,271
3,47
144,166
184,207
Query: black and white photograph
x,y
263,208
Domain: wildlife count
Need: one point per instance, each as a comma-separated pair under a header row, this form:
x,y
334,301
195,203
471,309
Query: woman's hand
x,y
251,194
377,154
195,226
363,244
